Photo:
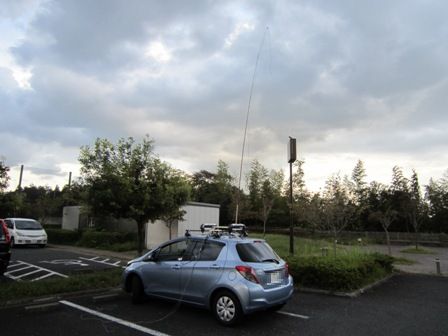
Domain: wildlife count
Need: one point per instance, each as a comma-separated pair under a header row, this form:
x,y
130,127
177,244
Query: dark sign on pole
x,y
292,155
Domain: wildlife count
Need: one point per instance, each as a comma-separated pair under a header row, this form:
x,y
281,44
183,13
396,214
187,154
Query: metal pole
x,y
438,266
20,178
69,179
291,220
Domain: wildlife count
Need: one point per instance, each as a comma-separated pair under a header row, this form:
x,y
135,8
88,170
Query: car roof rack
x,y
216,231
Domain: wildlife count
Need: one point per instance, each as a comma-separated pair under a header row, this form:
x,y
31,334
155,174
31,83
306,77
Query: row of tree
x,y
127,179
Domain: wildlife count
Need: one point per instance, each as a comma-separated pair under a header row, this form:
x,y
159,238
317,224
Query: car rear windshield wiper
x,y
271,260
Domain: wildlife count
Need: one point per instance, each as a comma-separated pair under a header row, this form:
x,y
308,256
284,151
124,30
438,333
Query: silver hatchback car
x,y
221,270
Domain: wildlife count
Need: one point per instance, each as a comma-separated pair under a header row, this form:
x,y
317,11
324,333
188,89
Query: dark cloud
x,y
346,77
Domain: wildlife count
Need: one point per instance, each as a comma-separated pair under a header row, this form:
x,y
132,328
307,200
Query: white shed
x,y
195,214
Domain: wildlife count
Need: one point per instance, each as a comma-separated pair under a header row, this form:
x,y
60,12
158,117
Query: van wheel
x,y
137,292
227,308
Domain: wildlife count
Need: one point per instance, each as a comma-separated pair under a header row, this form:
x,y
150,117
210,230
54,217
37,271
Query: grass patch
x,y
418,250
100,279
403,261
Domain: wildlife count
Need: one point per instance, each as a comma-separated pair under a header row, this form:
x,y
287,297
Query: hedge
x,y
117,241
98,239
59,236
339,274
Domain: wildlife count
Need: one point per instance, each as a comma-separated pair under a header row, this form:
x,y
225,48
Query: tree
x,y
338,206
128,180
4,177
383,211
215,188
418,209
437,197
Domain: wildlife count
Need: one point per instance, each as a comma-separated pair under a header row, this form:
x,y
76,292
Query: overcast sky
x,y
349,79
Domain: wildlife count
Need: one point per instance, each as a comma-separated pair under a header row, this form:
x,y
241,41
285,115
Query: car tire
x,y
227,308
137,292
12,242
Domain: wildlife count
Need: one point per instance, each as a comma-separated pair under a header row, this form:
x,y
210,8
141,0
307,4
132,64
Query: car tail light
x,y
286,270
248,273
5,230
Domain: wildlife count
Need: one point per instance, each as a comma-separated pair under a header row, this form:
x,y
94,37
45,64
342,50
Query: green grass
x,y
100,279
307,247
418,250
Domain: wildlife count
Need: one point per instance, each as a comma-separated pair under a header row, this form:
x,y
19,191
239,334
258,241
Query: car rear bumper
x,y
261,298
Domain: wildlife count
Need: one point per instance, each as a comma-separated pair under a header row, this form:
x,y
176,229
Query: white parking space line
x,y
114,319
104,262
12,274
294,315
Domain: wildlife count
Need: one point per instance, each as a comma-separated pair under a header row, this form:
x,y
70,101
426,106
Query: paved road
x,y
424,263
406,305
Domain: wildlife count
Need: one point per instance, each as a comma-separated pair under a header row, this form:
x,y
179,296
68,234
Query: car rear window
x,y
22,224
257,251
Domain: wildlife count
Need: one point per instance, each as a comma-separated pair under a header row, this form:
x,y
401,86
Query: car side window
x,y
9,224
174,252
207,250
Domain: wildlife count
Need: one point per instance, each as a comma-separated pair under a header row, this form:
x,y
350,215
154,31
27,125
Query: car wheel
x,y
227,308
137,292
12,242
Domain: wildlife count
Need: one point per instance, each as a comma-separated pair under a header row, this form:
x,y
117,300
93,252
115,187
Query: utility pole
x,y
291,159
69,179
20,178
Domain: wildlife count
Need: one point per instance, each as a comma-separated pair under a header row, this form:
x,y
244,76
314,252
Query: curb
x,y
351,295
39,303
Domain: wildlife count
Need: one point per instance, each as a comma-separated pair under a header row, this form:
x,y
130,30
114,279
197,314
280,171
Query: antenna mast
x,y
247,122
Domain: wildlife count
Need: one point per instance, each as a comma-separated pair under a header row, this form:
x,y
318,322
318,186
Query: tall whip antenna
x,y
245,127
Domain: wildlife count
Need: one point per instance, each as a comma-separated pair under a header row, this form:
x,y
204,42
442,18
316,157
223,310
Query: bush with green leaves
x,y
59,236
344,273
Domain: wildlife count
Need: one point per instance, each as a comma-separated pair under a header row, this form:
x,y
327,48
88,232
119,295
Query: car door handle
x,y
215,267
175,267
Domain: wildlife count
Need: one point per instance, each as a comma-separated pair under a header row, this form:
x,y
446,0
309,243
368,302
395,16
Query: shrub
x,y
101,239
59,236
341,273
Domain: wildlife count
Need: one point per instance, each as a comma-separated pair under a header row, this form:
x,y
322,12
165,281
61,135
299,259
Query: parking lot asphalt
x,y
405,305
34,263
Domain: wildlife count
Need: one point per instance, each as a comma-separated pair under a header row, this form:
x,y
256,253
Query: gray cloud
x,y
352,77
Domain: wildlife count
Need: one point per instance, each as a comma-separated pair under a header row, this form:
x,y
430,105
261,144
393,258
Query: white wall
x,y
70,217
196,214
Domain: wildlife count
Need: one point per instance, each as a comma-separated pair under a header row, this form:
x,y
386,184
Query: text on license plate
x,y
276,277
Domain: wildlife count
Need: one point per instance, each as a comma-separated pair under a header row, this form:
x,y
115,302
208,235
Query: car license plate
x,y
276,278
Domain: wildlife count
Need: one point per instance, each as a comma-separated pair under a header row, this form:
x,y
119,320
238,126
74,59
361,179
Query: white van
x,y
26,231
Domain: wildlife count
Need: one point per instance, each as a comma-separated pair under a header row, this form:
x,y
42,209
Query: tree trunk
x,y
388,242
140,238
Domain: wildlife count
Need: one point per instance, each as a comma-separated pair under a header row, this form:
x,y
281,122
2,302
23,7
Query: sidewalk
x,y
124,256
424,263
